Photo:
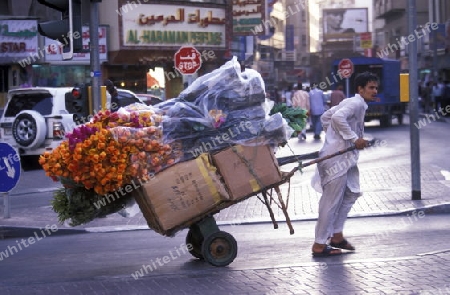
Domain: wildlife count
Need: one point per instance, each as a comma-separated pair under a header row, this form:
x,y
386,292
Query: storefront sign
x,y
18,39
362,41
247,15
53,49
154,25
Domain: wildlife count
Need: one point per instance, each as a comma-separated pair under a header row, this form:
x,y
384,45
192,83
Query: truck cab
x,y
390,105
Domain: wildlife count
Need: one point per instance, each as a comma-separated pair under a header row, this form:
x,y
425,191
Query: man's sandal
x,y
327,251
344,244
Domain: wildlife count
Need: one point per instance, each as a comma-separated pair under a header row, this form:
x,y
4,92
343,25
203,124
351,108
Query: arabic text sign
x,y
9,167
247,14
18,38
187,60
170,25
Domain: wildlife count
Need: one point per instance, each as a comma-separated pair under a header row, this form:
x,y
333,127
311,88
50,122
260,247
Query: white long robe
x,y
343,124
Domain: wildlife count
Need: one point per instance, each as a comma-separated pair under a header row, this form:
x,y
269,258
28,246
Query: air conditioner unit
x,y
286,55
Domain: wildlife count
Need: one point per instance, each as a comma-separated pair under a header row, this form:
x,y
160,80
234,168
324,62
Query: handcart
x,y
219,248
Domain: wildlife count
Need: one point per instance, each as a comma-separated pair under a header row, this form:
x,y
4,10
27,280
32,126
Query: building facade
x,y
392,31
134,37
146,34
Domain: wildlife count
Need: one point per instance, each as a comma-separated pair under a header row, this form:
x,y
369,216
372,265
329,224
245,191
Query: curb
x,y
7,232
33,191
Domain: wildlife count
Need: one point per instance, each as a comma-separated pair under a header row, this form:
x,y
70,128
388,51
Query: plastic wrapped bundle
x,y
250,93
266,131
245,91
202,85
248,114
226,89
220,109
184,110
276,130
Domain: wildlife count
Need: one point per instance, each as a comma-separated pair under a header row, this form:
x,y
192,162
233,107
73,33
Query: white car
x,y
36,119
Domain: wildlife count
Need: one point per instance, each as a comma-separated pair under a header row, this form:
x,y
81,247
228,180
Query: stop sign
x,y
345,68
187,60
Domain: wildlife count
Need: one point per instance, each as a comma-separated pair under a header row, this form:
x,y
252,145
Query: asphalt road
x,y
100,259
407,254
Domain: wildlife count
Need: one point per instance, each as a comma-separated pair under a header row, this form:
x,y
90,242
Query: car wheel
x,y
29,129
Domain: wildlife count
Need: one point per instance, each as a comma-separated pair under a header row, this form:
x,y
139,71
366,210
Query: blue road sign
x,y
9,167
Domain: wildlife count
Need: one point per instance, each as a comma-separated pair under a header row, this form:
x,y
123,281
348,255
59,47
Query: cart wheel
x,y
219,248
195,238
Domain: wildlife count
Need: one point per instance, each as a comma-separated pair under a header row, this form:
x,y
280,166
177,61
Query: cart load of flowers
x,y
218,110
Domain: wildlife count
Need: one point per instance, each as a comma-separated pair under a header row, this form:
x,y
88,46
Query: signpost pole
x,y
346,68
95,56
416,192
9,174
347,87
6,206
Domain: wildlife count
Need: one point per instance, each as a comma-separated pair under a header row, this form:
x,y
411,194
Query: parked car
x,y
127,97
35,120
149,99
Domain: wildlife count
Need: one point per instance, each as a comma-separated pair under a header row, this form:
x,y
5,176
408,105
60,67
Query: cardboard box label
x,y
247,169
182,192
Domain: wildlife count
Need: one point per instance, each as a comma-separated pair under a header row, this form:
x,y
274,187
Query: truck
x,y
392,91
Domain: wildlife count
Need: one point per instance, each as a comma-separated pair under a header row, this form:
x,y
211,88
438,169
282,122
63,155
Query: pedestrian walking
x,y
276,96
438,90
300,99
446,97
287,96
337,96
427,97
316,100
338,178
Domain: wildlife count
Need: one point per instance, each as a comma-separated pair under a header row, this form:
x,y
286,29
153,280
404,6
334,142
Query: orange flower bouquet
x,y
108,153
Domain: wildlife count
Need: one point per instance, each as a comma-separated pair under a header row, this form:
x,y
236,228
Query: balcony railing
x,y
389,8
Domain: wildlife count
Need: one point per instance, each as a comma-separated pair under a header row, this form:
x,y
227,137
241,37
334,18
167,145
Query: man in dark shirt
x,y
337,96
112,90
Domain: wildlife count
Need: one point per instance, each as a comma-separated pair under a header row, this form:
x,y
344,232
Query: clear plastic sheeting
x,y
220,109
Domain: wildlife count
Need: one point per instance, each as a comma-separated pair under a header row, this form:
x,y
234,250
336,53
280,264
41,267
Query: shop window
x,y
303,40
57,76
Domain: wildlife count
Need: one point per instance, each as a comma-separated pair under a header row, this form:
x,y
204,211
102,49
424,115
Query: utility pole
x,y
95,55
414,104
435,20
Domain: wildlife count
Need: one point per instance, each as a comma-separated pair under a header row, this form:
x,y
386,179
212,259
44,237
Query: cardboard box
x,y
246,170
180,193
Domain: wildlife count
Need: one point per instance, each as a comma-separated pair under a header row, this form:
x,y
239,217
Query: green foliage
x,y
295,117
77,204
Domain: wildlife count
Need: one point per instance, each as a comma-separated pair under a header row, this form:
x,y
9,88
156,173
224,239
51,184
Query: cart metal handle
x,y
296,158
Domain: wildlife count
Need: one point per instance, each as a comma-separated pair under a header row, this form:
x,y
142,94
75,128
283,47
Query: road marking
x,y
446,174
434,252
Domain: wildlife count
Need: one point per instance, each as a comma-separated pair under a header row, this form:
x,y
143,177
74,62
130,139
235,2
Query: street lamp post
x,y
413,105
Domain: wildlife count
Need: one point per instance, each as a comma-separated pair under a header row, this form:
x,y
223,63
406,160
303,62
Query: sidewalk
x,y
386,191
